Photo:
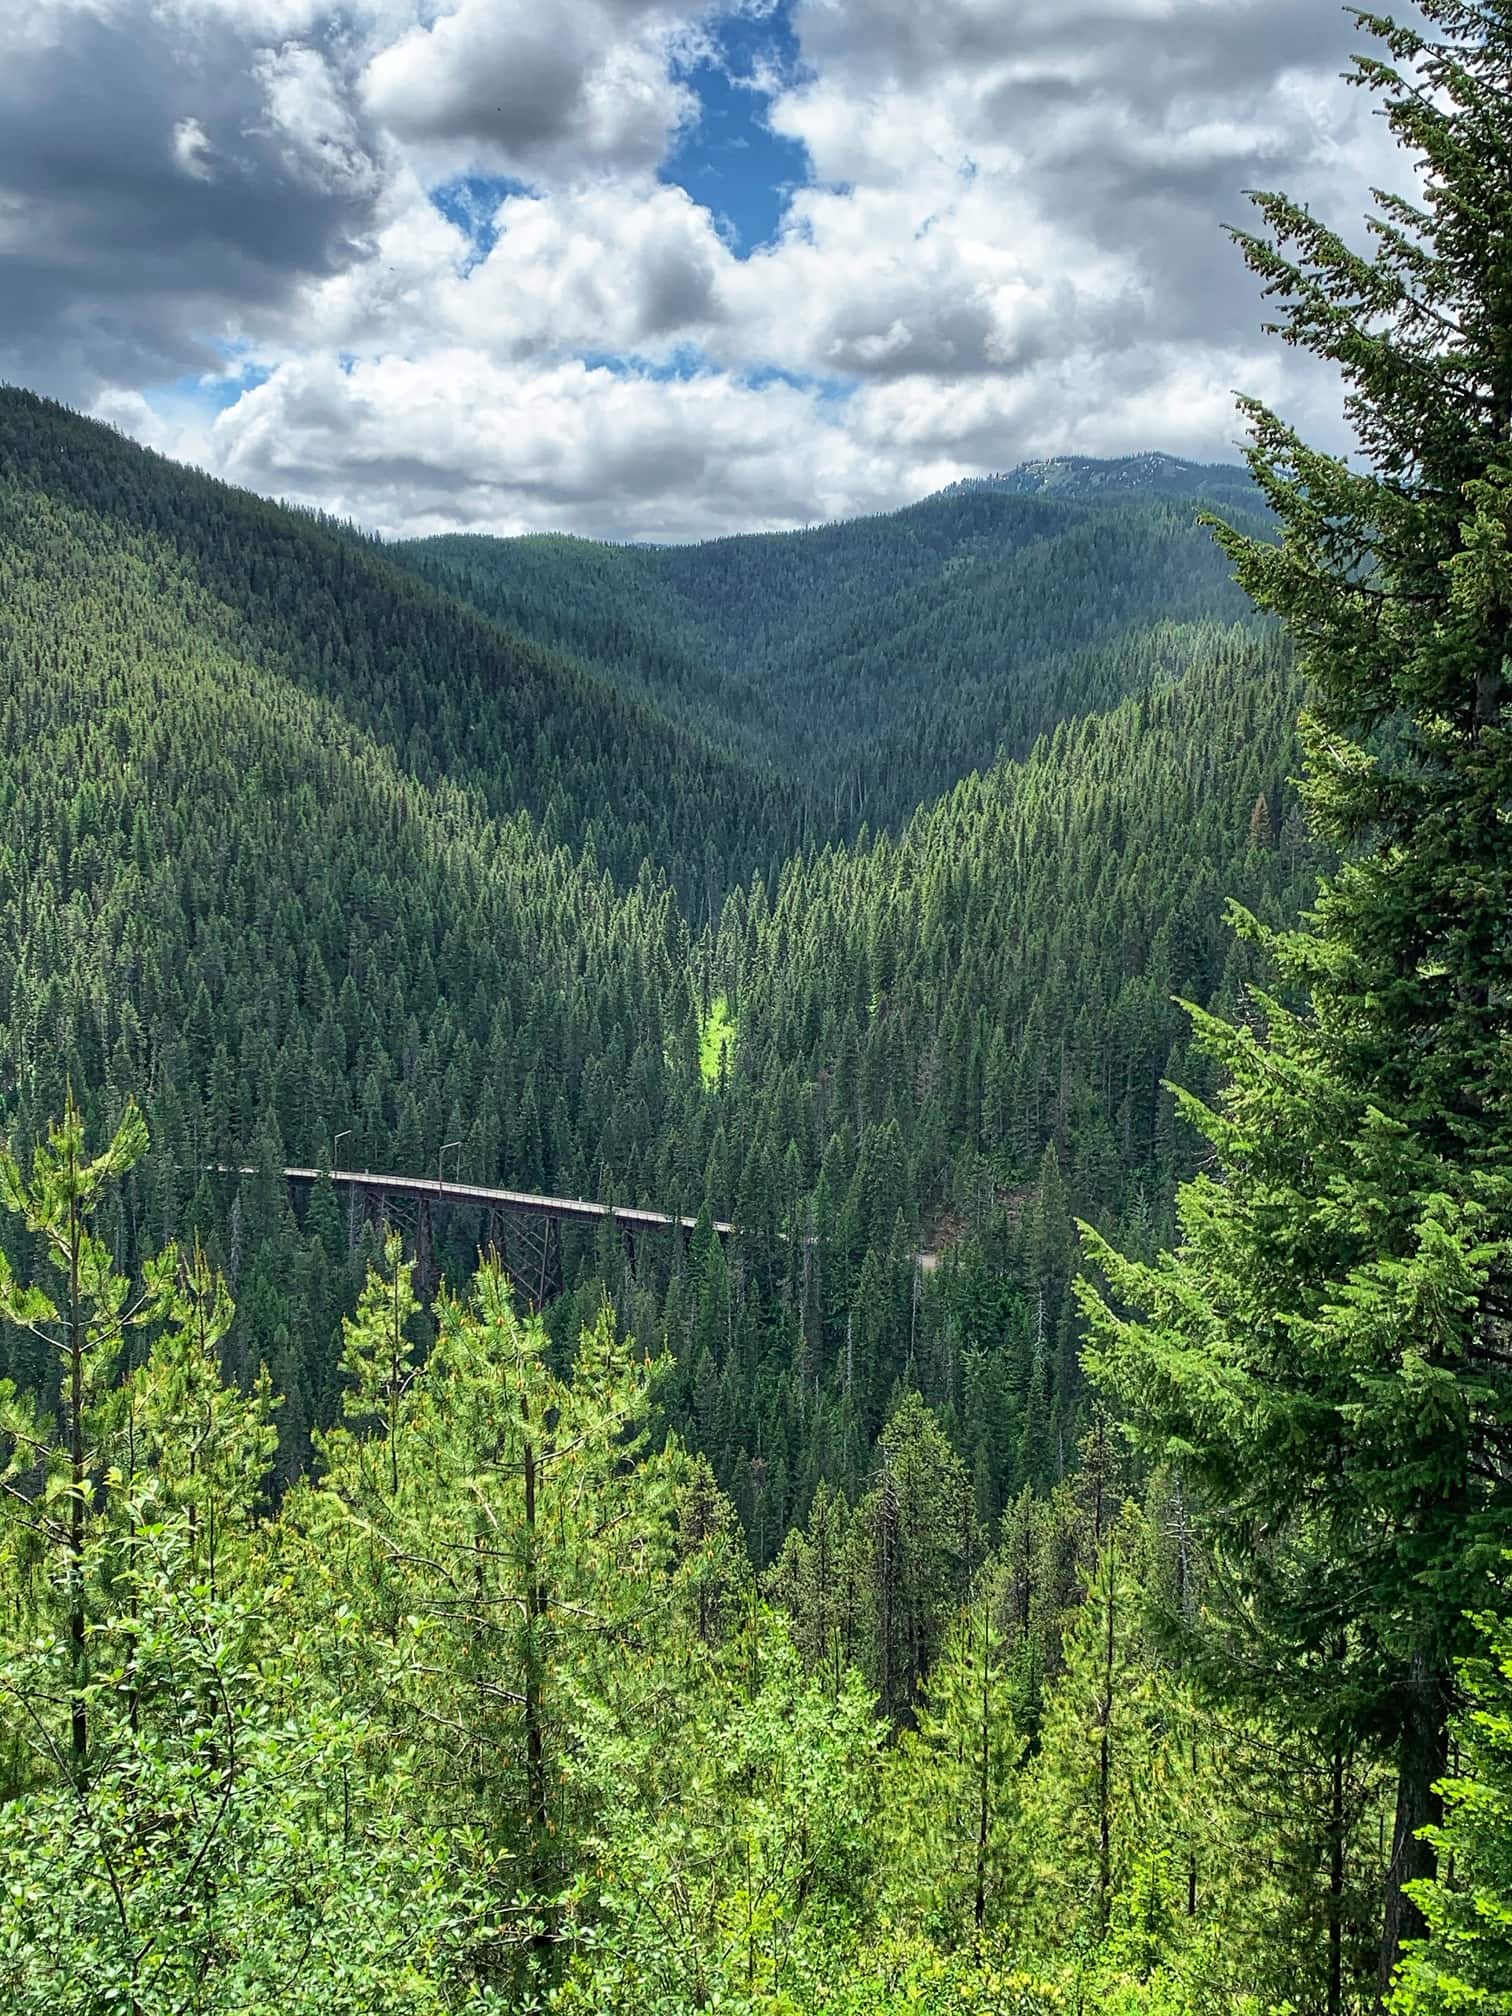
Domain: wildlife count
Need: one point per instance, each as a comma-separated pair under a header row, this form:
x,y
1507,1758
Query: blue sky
x,y
729,159
471,202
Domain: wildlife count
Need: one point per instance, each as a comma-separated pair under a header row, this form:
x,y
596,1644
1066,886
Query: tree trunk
x,y
1336,1886
984,1792
1105,1755
535,1613
396,1379
78,1715
1422,1759
537,1777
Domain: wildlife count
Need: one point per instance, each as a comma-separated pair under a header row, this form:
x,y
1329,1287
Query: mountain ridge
x,y
819,653
1151,472
298,887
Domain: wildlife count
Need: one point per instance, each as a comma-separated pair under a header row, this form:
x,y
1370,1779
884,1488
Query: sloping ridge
x,y
833,654
455,697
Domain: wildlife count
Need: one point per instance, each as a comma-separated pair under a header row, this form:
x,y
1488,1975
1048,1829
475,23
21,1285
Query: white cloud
x,y
191,150
1010,245
589,270
462,440
564,91
312,122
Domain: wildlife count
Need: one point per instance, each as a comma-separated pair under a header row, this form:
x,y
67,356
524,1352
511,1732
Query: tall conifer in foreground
x,y
1328,1355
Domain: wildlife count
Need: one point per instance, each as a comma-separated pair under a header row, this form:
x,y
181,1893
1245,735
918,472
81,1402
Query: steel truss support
x,y
529,1247
410,1216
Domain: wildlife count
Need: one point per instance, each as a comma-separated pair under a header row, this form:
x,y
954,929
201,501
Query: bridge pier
x,y
531,1257
388,1210
525,1230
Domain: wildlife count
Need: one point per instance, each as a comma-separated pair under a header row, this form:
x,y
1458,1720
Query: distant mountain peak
x,y
1086,477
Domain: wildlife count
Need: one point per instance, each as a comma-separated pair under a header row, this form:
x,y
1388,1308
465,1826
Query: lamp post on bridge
x,y
446,1149
336,1141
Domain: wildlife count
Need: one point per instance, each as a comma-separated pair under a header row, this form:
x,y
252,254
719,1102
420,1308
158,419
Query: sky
x,y
648,270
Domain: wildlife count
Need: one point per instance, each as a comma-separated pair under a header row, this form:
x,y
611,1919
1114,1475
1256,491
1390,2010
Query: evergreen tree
x,y
181,1824
56,1462
1326,1352
952,1785
1465,1964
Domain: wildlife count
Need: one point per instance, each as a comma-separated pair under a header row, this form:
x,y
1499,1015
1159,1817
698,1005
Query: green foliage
x,y
877,662
773,1623
736,1833
1324,1354
184,1821
1466,1962
330,619
488,1713
378,1359
56,1458
716,1042
952,1786
231,1852
291,890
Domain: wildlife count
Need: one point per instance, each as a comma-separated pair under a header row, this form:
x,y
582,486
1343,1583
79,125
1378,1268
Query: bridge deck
x,y
579,1209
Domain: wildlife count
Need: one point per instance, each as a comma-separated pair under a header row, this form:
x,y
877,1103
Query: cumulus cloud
x,y
1082,154
167,179
570,91
191,150
1009,243
461,440
311,123
587,271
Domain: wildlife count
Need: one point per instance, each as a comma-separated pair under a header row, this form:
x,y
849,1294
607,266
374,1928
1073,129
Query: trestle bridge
x,y
524,1229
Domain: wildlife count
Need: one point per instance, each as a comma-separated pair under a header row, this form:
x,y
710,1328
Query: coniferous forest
x,y
1036,1536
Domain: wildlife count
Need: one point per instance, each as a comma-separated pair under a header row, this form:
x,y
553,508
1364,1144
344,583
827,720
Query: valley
x,y
288,908
767,1273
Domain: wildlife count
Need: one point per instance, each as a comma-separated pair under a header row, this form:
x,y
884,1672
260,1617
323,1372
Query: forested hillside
x,y
1220,486
270,908
455,700
252,909
879,661
1037,1538
951,1041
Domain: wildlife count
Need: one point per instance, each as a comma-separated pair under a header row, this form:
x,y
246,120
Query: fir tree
x,y
1326,1353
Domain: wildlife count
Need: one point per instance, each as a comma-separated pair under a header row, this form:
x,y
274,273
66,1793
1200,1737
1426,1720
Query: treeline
x,y
1222,486
454,700
932,1624
948,1045
490,1712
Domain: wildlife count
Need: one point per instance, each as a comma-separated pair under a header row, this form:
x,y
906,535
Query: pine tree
x,y
952,1782
379,1356
1327,1351
56,1463
1102,1794
921,1516
207,1446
